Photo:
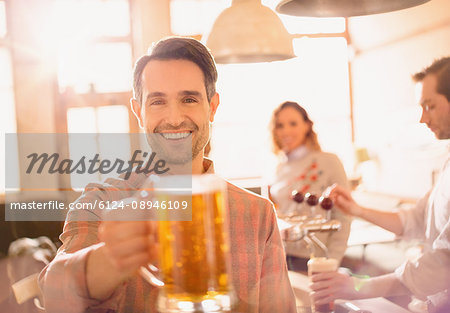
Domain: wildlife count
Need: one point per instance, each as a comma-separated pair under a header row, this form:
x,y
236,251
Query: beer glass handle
x,y
150,277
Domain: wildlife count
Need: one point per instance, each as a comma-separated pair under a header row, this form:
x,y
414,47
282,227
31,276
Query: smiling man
x,y
96,269
427,277
435,99
175,104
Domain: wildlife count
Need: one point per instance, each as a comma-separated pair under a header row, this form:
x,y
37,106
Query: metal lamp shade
x,y
343,8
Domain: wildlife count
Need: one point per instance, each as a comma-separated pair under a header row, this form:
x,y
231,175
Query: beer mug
x,y
320,265
194,263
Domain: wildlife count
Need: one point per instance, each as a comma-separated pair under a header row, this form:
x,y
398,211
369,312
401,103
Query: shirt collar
x,y
297,153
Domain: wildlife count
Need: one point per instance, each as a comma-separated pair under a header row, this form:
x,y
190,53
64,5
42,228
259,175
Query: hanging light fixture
x,y
248,32
343,8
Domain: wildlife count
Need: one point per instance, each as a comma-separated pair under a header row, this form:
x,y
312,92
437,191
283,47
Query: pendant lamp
x,y
343,8
248,32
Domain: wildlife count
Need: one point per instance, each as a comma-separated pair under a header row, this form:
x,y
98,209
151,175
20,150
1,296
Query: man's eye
x,y
428,107
190,100
156,102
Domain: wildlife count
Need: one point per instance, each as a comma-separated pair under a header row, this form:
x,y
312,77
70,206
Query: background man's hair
x,y
441,69
178,48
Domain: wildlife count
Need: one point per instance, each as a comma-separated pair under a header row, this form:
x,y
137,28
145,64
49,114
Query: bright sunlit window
x,y
8,113
317,79
89,19
6,92
92,40
94,56
2,19
203,12
311,25
93,122
103,67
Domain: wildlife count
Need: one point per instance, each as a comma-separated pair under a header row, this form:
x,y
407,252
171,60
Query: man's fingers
x,y
132,262
152,226
338,191
325,286
152,230
324,300
319,285
320,294
132,246
114,231
342,201
322,276
324,292
153,254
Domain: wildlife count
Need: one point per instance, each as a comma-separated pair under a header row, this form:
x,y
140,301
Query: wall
x,y
389,49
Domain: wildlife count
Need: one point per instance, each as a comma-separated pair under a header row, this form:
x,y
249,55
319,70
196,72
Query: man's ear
x,y
213,106
136,108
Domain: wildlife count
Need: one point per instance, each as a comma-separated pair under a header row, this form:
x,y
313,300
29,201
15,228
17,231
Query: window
x,y
8,115
2,19
94,74
318,79
311,25
183,13
95,54
99,67
92,122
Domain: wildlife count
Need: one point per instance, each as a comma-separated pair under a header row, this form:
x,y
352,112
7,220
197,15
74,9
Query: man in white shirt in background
x,y
428,277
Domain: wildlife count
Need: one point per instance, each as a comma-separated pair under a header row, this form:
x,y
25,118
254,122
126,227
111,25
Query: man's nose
x,y
424,117
174,115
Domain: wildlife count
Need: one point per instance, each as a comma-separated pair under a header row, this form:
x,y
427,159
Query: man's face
x,y
435,108
175,109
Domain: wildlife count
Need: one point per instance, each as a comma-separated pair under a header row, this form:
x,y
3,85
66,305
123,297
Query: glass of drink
x,y
195,261
320,265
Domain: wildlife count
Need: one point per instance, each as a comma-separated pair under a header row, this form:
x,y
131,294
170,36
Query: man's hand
x,y
344,201
127,246
389,220
329,286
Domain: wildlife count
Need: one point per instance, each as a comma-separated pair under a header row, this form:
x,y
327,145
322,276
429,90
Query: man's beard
x,y
179,152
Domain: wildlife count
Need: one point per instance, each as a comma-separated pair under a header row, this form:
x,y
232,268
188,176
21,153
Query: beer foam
x,y
322,265
189,184
207,183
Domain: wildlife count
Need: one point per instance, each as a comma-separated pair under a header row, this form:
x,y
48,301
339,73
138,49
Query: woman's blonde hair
x,y
311,137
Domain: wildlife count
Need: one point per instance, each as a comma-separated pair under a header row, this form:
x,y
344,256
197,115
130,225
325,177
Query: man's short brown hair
x,y
441,69
178,48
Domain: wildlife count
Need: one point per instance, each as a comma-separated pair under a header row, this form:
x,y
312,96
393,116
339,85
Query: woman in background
x,y
304,167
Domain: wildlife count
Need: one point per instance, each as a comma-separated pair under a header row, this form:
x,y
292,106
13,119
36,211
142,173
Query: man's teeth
x,y
175,135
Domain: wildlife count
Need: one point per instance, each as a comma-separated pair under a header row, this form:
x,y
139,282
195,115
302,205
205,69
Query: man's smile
x,y
176,135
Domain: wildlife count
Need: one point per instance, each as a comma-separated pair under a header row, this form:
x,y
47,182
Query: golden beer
x,y
194,255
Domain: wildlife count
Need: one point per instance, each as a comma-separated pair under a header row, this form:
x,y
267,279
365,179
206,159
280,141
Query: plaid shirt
x,y
259,271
